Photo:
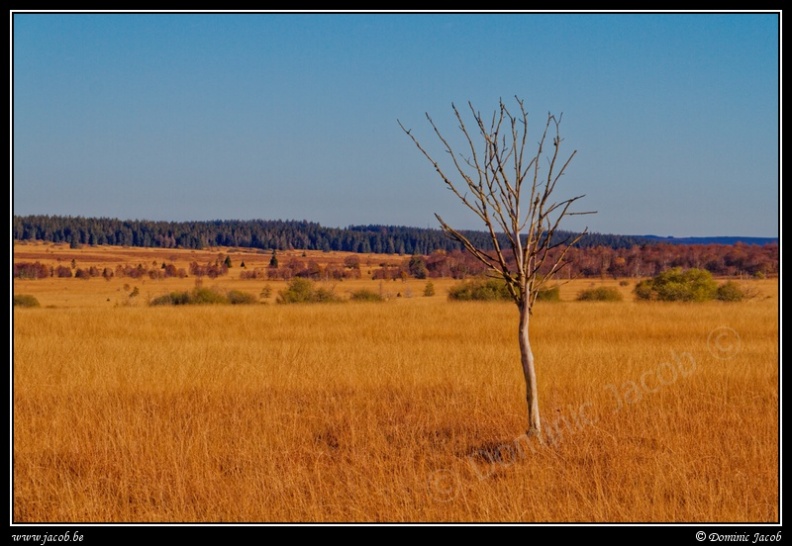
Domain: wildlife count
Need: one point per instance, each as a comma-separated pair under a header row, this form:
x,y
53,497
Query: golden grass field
x,y
410,410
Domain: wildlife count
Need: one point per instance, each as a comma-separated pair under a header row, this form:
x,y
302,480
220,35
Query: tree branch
x,y
497,199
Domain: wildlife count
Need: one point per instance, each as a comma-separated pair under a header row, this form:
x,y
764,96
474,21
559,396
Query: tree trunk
x,y
529,371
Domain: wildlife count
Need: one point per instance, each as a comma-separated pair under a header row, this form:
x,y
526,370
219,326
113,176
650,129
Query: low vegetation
x,y
237,297
480,290
204,296
552,293
691,285
487,289
26,300
365,294
302,290
730,291
601,293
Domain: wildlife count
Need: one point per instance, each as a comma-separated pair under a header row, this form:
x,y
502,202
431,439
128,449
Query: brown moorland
x,y
407,410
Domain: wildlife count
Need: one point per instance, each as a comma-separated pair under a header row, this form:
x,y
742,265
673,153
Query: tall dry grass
x,y
403,411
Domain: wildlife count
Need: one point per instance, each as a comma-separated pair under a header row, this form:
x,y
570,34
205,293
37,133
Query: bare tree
x,y
511,193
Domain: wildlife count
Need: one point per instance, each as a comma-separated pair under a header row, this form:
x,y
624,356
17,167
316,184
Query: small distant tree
x,y
352,262
273,263
417,267
429,289
312,271
508,189
227,261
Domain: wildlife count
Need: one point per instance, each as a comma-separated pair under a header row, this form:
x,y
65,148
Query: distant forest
x,y
263,234
596,254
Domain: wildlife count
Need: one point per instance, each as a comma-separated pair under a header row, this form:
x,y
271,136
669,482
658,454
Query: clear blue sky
x,y
675,117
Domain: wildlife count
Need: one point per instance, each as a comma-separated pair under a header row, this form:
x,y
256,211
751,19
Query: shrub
x,y
549,294
201,296
602,293
26,300
301,290
643,290
480,290
237,297
678,285
495,290
429,289
174,298
366,295
729,291
323,295
162,300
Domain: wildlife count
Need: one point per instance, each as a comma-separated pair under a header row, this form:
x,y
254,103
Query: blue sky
x,y
675,117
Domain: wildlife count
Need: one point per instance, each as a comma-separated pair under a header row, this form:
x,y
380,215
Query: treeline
x,y
262,234
428,253
637,261
37,270
648,260
738,260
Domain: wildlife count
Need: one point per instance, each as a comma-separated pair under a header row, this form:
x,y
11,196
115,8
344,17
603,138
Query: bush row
x,y
204,296
494,290
672,285
299,290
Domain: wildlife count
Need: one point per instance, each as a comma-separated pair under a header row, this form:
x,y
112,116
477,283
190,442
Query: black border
x,y
93,533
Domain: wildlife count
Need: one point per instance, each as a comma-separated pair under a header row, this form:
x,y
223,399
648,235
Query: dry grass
x,y
408,410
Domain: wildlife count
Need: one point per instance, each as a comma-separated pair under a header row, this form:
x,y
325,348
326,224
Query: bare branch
x,y
496,177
